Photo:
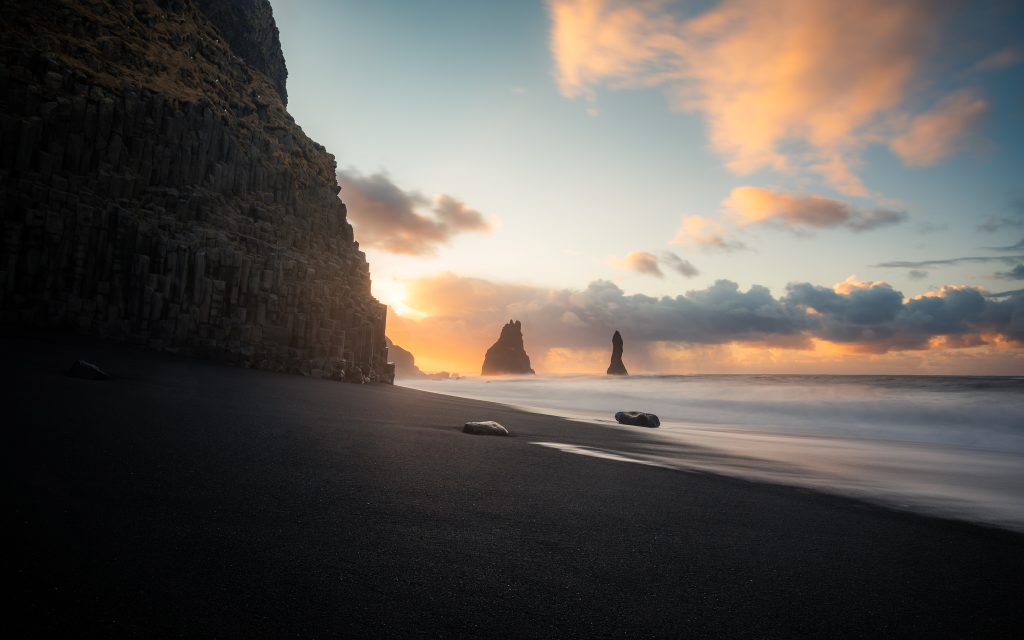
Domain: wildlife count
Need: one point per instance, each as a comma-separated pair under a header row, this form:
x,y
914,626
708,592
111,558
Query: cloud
x,y
937,134
863,317
791,85
1016,273
1001,59
679,265
393,220
704,232
594,41
1016,246
650,264
1015,220
917,274
991,224
455,215
925,228
756,205
1005,294
869,220
947,262
876,318
641,262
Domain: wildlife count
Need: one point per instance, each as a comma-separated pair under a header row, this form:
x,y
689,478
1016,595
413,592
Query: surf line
x,y
599,453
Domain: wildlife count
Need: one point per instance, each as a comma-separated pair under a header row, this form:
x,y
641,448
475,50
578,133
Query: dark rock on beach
x,y
508,355
616,368
638,419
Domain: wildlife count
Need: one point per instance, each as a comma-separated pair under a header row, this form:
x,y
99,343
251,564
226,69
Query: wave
x,y
947,444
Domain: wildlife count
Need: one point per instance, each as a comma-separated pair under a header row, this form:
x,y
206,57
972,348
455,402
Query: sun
x,y
393,292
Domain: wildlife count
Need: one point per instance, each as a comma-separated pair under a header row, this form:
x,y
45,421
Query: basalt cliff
x,y
154,189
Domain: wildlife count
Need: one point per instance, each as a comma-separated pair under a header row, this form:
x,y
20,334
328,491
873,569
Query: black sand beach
x,y
183,498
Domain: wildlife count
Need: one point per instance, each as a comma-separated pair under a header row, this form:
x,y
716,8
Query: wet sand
x,y
183,498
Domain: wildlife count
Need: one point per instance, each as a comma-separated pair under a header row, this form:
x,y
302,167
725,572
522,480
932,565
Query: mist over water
x,y
950,446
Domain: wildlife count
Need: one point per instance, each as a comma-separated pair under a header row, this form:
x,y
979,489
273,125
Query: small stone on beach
x,y
485,428
638,419
87,370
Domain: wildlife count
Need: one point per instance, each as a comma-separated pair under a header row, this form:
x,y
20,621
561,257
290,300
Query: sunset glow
x,y
705,179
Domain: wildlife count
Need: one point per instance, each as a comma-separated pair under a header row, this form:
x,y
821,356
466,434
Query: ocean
x,y
948,446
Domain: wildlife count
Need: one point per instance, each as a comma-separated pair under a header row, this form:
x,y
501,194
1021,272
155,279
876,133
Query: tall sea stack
x,y
508,355
154,190
616,368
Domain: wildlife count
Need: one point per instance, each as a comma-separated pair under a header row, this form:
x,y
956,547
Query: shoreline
x,y
186,497
891,447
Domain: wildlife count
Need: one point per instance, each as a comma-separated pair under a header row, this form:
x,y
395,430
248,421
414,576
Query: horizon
x,y
511,377
845,201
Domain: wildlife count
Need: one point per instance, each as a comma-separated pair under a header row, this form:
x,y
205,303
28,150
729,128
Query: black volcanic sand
x,y
191,499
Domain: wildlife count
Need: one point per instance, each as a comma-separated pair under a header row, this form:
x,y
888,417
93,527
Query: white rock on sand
x,y
485,428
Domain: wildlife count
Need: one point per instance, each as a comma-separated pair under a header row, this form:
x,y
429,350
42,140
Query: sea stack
x,y
507,356
616,368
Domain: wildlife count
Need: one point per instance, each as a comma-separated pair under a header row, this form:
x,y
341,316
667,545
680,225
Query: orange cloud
x,y
704,232
641,262
822,357
852,283
942,131
597,40
650,264
756,205
792,85
567,330
750,206
460,318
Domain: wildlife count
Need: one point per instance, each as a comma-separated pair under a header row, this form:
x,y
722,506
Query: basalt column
x,y
154,189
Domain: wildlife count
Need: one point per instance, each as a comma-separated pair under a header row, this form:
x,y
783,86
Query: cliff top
x,y
174,48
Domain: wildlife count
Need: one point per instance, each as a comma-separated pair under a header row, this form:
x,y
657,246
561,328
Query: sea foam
x,y
951,446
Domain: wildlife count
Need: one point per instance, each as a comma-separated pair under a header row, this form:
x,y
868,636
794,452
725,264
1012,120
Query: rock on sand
x,y
638,419
485,428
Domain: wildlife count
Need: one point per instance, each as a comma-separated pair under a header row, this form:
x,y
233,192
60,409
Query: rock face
x,y
250,30
638,419
404,361
507,355
154,190
616,368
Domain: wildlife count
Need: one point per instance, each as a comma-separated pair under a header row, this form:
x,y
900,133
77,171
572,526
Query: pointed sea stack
x,y
507,356
616,368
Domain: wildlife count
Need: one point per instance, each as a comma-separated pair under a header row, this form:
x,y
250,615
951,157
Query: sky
x,y
804,186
